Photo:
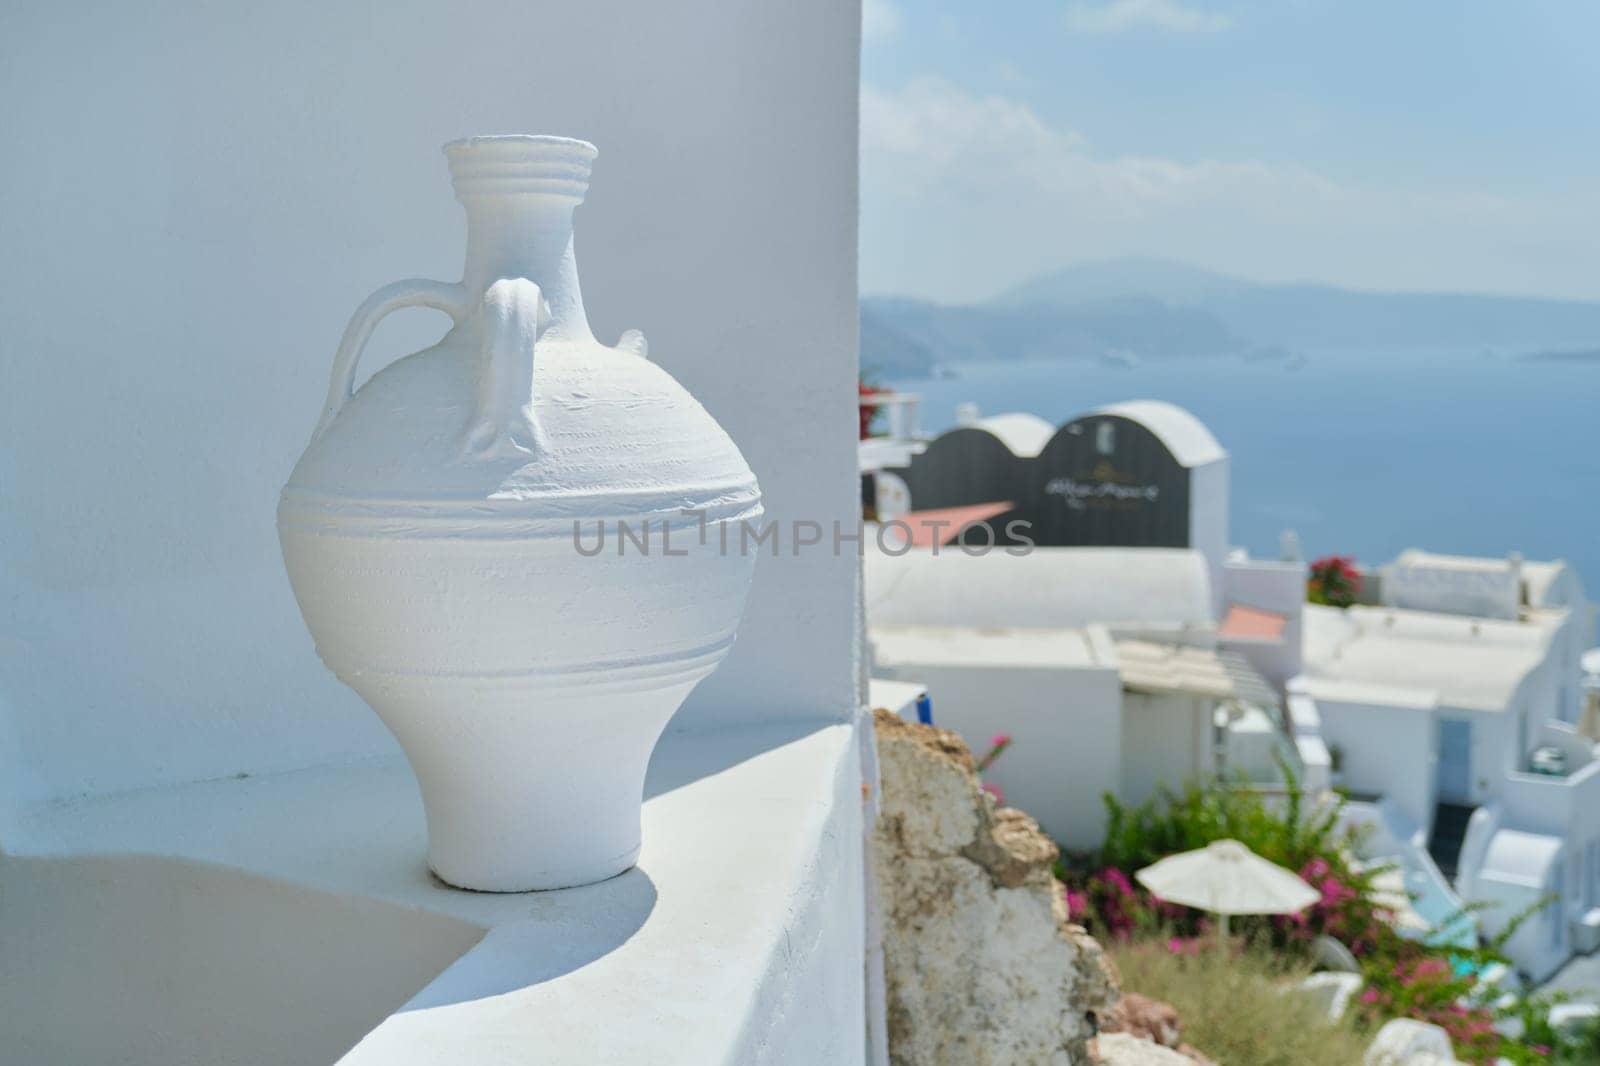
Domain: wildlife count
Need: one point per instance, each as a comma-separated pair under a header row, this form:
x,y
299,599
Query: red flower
x,y
868,409
1334,581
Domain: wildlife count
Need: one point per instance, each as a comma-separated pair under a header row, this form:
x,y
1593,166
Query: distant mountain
x,y
892,352
946,334
1115,279
1155,309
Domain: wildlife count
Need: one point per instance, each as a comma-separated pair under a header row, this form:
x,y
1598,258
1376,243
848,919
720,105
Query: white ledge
x,y
737,938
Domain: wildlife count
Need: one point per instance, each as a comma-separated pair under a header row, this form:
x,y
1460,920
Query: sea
x,y
1362,453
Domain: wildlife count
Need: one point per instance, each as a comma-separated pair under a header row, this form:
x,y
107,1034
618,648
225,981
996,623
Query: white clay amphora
x,y
440,532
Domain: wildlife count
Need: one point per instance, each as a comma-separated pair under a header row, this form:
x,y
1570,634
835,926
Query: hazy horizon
x,y
1235,276
1432,147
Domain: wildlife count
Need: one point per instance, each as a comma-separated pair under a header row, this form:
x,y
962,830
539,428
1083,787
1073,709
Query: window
x,y
1105,438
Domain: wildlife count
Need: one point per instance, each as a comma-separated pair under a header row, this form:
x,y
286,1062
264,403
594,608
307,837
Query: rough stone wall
x,y
981,965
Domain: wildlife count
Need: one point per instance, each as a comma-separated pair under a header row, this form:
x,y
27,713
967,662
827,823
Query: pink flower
x,y
1370,996
993,790
999,740
1431,968
1335,892
1316,869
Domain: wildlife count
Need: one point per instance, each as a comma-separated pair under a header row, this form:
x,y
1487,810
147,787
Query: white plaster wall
x,y
1066,737
1209,486
1555,806
1270,585
1556,686
1256,746
1571,641
1484,593
1165,741
1388,751
1567,808
1534,949
1494,747
203,193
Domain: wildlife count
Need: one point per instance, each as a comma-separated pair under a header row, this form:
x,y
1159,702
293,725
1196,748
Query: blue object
x,y
925,709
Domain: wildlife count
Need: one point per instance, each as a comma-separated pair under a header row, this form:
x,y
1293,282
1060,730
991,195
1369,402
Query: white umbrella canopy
x,y
1227,878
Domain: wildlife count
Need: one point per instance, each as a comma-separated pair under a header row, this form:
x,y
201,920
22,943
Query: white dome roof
x,y
1185,436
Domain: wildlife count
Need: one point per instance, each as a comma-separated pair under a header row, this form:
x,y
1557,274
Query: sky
x,y
1442,145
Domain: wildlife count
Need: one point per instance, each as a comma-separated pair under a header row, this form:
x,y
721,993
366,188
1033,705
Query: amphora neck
x,y
520,193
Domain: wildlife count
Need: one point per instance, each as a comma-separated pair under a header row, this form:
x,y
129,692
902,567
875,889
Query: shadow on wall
x,y
148,961
522,954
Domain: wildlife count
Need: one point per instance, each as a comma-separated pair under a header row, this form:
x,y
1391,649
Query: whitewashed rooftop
x,y
1051,588
1416,658
990,646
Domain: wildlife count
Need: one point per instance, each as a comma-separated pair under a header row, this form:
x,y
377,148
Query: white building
x,y
1451,702
1056,691
1110,649
1099,662
1449,707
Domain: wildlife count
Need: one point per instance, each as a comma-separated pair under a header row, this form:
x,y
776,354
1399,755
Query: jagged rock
x,y
1147,1019
1151,1019
1099,985
1407,1042
981,965
1125,1049
1332,991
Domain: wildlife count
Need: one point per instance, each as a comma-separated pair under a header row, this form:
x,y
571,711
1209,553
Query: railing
x,y
901,407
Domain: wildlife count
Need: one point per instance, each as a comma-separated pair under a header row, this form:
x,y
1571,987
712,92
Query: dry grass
x,y
1232,1008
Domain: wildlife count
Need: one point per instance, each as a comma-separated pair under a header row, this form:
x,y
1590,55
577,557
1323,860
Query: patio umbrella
x,y
1227,878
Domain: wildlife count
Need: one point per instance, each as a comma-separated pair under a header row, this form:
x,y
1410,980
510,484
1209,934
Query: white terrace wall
x,y
1067,745
1385,751
201,194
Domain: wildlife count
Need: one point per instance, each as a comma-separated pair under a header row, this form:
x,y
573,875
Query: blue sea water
x,y
1362,453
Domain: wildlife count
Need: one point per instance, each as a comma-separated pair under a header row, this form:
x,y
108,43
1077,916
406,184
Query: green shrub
x,y
1405,978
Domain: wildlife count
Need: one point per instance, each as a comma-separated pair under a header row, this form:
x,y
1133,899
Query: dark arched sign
x,y
1108,480
1101,480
